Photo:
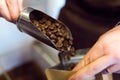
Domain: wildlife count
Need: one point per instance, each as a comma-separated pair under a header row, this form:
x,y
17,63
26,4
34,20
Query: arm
x,y
10,9
105,54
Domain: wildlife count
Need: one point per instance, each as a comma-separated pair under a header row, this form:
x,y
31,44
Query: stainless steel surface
x,y
25,24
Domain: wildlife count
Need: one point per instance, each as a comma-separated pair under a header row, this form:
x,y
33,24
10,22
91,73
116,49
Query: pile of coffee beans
x,y
60,36
56,32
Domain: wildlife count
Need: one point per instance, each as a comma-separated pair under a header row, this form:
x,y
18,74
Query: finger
x,y
118,72
92,55
114,68
93,68
13,8
20,4
4,10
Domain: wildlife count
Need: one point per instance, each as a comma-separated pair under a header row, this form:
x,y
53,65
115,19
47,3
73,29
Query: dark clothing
x,y
88,22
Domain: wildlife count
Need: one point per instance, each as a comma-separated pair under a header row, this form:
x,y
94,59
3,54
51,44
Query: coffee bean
x,y
65,43
66,57
48,23
72,51
43,31
36,23
59,44
52,36
48,33
70,42
57,24
71,66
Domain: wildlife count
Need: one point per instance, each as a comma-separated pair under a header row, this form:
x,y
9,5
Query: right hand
x,y
104,55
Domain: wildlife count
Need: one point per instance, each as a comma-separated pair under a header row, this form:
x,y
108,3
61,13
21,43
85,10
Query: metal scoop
x,y
25,24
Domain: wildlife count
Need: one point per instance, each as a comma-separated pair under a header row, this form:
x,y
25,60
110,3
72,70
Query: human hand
x,y
10,9
104,55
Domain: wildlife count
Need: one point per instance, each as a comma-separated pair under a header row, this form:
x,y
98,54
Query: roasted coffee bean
x,y
71,66
52,27
43,20
43,27
65,43
43,31
60,34
70,42
40,29
59,44
48,23
66,57
48,33
99,76
61,39
52,36
57,24
62,31
36,23
72,51
64,48
54,31
53,40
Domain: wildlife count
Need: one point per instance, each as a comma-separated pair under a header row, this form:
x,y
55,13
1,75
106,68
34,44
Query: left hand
x,y
10,9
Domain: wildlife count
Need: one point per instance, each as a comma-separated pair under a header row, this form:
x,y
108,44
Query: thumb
x,y
93,68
